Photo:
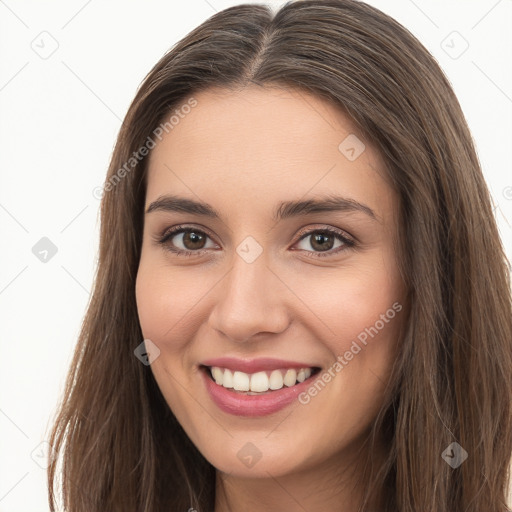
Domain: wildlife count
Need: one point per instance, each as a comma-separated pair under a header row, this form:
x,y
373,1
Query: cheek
x,y
354,304
153,302
165,302
163,319
363,310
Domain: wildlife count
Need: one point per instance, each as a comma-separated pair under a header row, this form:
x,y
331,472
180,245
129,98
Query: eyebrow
x,y
285,210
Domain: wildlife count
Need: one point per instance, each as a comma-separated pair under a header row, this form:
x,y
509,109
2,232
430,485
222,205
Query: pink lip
x,y
240,404
254,365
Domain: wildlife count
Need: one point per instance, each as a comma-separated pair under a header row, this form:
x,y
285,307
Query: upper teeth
x,y
260,381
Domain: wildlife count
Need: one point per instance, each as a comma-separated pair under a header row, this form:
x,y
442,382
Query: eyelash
x,y
348,243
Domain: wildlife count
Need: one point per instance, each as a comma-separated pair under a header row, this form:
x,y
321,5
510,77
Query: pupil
x,y
193,239
320,242
320,239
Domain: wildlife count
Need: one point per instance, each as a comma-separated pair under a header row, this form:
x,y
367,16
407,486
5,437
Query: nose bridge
x,y
250,300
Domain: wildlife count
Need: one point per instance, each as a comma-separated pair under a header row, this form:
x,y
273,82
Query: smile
x,y
259,382
265,387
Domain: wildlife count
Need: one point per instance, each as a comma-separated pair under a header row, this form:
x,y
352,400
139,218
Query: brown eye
x,y
193,240
186,241
322,241
328,241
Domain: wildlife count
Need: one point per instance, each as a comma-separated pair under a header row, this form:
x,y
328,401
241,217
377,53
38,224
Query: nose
x,y
251,300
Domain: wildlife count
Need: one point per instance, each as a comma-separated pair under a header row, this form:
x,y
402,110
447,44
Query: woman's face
x,y
261,290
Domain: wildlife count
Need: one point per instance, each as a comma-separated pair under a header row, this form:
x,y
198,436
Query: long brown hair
x,y
122,448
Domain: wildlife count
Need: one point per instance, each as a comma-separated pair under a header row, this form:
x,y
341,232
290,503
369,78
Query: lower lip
x,y
241,404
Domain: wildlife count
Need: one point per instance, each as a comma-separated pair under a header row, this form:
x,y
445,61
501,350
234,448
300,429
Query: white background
x,y
59,117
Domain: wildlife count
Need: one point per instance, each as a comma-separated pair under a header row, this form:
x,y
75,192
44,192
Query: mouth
x,y
261,382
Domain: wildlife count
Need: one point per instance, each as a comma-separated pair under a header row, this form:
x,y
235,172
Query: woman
x,y
302,301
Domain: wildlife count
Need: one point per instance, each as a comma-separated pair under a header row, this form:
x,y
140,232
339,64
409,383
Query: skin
x,y
243,152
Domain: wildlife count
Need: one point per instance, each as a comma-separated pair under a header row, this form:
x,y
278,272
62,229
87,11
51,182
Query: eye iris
x,y
322,242
320,239
193,240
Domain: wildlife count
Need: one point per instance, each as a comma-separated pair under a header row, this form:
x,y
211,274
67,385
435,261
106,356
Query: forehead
x,y
260,145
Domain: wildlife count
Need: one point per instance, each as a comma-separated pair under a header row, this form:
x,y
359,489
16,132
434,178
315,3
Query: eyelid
x,y
168,233
324,228
179,228
348,240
